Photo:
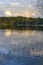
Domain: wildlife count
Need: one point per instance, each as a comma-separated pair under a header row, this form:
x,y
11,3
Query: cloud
x,y
39,7
33,14
15,4
25,13
11,4
17,9
16,14
30,6
8,13
22,13
28,13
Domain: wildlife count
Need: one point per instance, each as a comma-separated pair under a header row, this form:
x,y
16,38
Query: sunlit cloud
x,y
27,13
33,14
7,33
8,13
19,8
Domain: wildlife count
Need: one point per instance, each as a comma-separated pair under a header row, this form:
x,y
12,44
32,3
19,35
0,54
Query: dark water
x,y
21,47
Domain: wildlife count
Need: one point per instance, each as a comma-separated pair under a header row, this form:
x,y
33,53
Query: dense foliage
x,y
21,23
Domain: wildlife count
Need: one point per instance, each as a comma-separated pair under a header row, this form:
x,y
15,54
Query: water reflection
x,y
9,39
7,33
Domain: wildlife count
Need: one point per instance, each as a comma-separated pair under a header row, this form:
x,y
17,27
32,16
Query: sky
x,y
25,8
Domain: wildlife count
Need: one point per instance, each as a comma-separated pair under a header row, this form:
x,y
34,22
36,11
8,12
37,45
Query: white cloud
x,y
8,13
30,6
14,4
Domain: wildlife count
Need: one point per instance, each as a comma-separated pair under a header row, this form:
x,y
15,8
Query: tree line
x,y
21,23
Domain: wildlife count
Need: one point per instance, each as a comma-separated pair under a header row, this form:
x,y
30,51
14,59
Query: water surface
x,y
21,47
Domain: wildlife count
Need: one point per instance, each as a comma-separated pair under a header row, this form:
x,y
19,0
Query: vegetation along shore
x,y
21,23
